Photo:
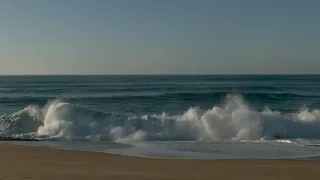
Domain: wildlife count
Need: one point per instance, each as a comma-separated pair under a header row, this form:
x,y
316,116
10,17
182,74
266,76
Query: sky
x,y
159,37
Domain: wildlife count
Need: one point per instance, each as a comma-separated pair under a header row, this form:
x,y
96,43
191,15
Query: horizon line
x,y
198,74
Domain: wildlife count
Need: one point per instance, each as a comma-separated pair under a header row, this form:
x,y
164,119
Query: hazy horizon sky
x,y
159,37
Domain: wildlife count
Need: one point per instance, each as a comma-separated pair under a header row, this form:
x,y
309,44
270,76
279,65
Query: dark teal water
x,y
156,94
97,98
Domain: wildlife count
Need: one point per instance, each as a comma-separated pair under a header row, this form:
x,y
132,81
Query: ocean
x,y
167,116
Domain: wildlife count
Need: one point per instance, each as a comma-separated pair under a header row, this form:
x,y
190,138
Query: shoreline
x,y
39,162
16,143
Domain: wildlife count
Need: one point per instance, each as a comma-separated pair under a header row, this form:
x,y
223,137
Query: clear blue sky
x,y
159,36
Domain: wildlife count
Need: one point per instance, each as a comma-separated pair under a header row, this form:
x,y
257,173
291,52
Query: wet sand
x,y
23,162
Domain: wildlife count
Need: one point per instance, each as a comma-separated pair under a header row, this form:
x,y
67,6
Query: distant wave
x,y
256,95
180,95
233,120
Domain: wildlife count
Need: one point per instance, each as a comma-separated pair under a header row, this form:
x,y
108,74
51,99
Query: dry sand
x,y
22,162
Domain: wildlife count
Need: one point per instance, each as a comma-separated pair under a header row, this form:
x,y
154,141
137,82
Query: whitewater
x,y
232,121
234,127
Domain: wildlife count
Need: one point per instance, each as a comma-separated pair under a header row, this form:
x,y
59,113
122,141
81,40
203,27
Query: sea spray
x,y
234,119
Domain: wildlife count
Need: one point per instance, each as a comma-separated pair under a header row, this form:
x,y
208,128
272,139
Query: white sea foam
x,y
233,120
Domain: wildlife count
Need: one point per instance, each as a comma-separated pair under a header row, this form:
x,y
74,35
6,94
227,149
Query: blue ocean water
x,y
156,94
203,116
154,107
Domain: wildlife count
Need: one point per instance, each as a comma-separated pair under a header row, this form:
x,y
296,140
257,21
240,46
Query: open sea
x,y
169,116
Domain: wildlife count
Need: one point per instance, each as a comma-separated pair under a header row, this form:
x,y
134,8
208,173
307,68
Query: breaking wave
x,y
232,120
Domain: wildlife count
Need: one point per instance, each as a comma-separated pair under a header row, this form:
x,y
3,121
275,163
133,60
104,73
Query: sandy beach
x,y
23,162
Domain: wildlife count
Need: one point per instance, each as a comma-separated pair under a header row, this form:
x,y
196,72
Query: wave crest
x,y
233,120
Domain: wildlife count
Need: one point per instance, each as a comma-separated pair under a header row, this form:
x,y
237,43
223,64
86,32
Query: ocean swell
x,y
234,119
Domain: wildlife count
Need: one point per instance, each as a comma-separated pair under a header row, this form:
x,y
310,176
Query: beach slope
x,y
23,162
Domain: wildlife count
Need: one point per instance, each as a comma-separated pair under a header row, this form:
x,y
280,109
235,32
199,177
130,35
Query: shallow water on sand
x,y
194,150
